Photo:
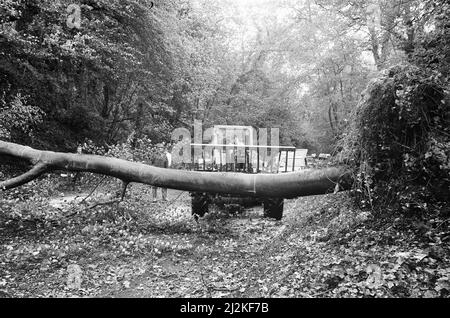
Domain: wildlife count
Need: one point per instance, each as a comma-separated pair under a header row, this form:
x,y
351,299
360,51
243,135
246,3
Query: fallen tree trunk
x,y
288,185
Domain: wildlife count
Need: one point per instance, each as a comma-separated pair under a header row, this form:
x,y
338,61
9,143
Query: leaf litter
x,y
323,247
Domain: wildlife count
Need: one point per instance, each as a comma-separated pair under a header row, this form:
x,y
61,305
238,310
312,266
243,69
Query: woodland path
x,y
323,247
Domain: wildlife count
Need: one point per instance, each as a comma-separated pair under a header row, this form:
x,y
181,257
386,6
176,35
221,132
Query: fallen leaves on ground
x,y
324,247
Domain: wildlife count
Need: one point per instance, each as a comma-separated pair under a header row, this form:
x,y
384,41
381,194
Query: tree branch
x,y
38,170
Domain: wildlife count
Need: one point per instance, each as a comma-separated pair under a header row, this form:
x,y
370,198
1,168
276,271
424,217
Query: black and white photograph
x,y
224,153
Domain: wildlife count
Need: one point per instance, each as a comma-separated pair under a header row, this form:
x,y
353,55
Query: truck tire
x,y
273,208
200,204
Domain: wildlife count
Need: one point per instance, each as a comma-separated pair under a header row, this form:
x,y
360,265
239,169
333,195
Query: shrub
x,y
17,118
398,143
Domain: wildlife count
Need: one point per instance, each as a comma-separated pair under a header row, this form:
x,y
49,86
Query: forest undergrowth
x,y
55,244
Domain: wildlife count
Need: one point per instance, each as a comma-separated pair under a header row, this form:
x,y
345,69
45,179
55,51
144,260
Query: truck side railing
x,y
241,158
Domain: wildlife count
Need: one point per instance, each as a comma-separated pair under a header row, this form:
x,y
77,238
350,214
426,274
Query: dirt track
x,y
321,248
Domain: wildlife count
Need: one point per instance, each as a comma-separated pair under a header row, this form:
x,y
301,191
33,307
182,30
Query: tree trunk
x,y
289,185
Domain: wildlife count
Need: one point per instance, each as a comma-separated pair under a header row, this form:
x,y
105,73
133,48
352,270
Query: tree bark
x,y
288,185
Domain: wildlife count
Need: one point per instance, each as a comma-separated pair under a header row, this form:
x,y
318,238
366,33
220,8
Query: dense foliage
x,y
398,140
100,81
137,67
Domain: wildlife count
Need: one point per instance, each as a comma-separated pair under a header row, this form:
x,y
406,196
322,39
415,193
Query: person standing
x,y
159,159
169,157
77,175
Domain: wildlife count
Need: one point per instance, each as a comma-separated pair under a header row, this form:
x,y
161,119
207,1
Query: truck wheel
x,y
273,208
200,204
